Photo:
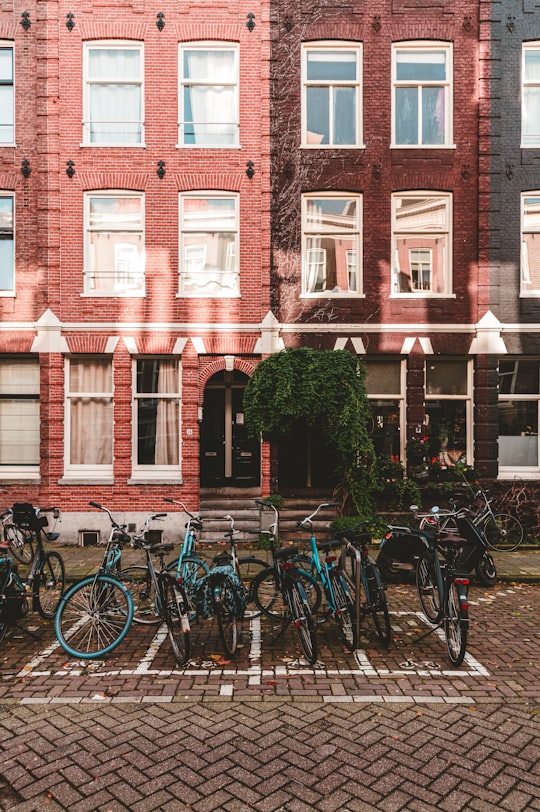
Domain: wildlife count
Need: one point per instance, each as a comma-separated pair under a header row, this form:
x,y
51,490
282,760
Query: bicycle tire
x,y
248,568
428,591
378,605
141,586
456,622
268,595
191,570
174,606
503,532
227,622
486,571
49,584
93,617
302,618
21,546
345,615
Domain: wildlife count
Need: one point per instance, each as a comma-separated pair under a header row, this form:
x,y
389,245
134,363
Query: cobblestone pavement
x,y
396,729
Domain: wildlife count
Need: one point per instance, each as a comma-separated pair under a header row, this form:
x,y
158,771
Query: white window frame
x,y
311,233
424,47
183,81
119,288
525,471
118,45
467,397
528,208
101,472
232,266
156,472
329,46
19,470
529,141
401,233
6,45
10,292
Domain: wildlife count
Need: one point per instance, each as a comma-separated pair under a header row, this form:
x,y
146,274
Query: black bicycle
x,y
443,591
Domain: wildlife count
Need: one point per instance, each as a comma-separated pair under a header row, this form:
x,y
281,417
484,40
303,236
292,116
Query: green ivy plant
x,y
323,389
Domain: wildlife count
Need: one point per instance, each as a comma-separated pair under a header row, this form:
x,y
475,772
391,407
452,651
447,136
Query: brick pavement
x,y
390,730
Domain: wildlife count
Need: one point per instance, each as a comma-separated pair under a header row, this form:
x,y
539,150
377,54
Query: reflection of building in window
x,y
384,387
331,244
7,258
420,264
7,98
209,236
530,243
115,244
421,243
530,95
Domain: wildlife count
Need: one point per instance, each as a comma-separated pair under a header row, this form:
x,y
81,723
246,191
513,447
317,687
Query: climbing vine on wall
x,y
322,389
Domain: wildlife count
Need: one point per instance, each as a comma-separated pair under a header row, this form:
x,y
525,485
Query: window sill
x,y
209,146
332,146
208,296
109,295
423,146
328,294
518,473
20,479
530,294
142,480
422,296
113,146
7,294
89,480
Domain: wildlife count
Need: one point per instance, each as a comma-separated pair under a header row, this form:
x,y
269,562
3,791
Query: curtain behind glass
x,y
91,413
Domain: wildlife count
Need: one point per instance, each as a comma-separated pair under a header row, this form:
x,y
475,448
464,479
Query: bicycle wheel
x,y
226,620
93,617
456,623
191,570
268,597
344,615
141,587
486,571
428,592
503,532
20,545
378,605
248,569
174,606
50,583
302,618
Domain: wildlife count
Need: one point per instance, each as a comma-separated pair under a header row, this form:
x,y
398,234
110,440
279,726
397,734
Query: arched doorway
x,y
229,458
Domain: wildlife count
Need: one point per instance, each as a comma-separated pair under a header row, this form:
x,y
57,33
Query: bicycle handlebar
x,y
310,518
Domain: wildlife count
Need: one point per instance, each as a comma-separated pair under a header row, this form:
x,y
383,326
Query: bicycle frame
x,y
322,567
187,548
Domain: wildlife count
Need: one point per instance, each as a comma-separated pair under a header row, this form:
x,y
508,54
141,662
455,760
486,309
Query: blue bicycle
x,y
338,590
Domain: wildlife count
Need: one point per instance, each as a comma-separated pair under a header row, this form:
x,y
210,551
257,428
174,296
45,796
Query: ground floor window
x,y
385,387
449,410
19,416
519,399
89,412
156,419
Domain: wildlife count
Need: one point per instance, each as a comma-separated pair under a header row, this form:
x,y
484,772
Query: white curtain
x,y
115,104
91,413
167,415
213,112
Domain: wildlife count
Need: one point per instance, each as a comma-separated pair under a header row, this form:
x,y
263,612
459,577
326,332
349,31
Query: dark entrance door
x,y
306,460
228,456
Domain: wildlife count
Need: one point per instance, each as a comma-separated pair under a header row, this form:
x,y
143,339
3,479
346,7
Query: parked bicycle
x,y
19,541
42,588
363,573
222,594
283,592
95,615
267,586
338,591
502,531
443,590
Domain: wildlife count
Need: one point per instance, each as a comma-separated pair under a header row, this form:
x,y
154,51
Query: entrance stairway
x,y
247,515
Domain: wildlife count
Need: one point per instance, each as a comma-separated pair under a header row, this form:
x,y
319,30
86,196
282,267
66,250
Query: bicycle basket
x,y
24,515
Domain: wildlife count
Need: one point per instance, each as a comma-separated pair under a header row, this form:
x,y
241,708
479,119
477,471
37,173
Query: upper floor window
x,y
156,419
530,95
331,250
208,99
519,406
19,416
421,243
114,255
7,100
422,94
209,244
7,255
332,101
530,243
89,416
113,102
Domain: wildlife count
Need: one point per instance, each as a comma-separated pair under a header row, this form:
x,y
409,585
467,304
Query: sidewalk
x,y
522,565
